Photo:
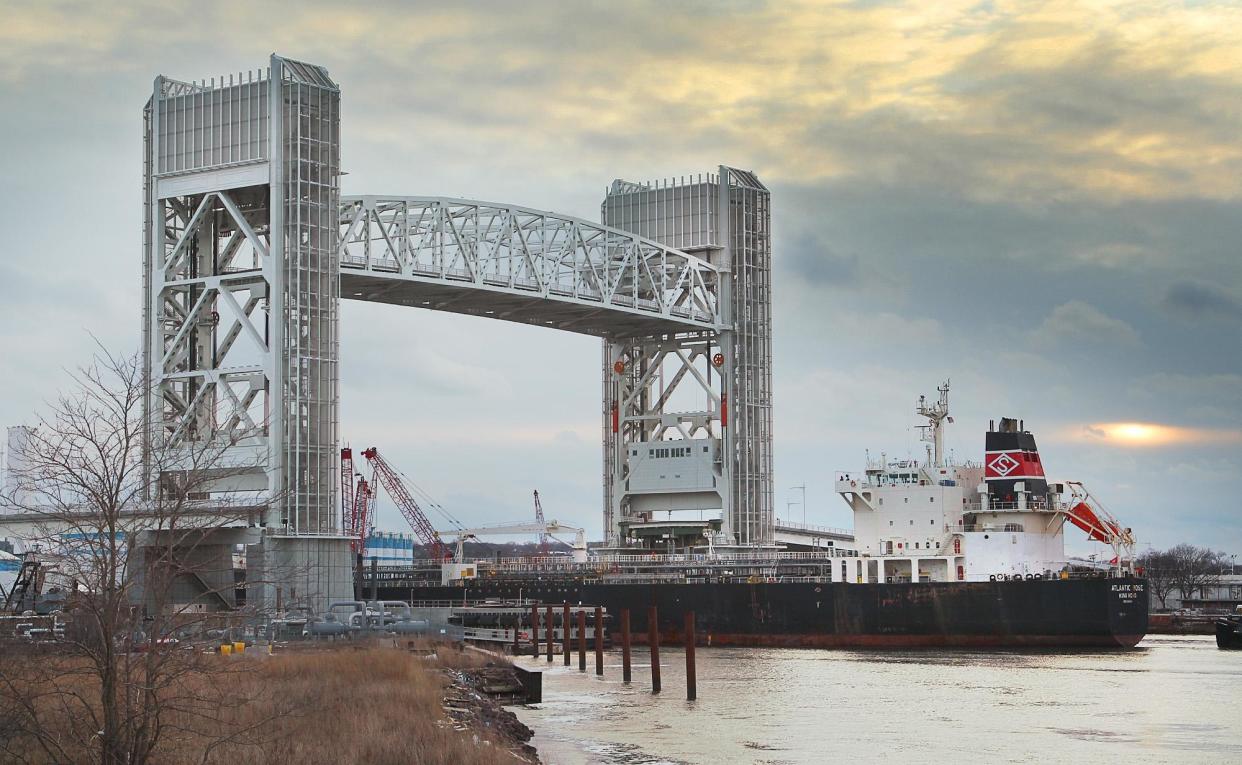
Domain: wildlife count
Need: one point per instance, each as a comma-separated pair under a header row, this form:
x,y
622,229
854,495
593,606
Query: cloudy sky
x,y
1038,201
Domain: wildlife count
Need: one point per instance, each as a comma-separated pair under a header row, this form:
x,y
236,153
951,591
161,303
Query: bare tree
x,y
1196,569
1160,569
137,544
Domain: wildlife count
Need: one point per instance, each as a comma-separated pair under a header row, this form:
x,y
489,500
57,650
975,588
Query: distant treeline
x,y
1185,568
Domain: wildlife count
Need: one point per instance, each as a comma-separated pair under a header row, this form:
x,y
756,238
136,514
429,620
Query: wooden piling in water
x,y
625,644
534,629
599,640
653,640
565,647
551,634
691,682
582,641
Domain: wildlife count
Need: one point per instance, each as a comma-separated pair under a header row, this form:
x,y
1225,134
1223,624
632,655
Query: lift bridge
x,y
249,248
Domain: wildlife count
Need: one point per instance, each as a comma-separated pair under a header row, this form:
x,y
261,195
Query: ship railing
x,y
701,579
832,530
1000,528
1031,506
597,561
758,555
459,603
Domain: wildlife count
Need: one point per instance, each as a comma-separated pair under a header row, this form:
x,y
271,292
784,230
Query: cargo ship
x,y
968,554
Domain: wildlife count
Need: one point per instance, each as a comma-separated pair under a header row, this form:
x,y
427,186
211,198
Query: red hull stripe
x,y
672,637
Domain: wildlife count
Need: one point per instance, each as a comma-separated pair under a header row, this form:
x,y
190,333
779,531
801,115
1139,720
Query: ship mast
x,y
933,431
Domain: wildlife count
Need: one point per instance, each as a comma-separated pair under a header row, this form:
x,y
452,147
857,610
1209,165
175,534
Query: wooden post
x,y
599,640
653,639
691,682
581,640
534,629
551,634
565,647
625,644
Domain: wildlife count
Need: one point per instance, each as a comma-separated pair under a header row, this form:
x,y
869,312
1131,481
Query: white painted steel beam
x,y
518,264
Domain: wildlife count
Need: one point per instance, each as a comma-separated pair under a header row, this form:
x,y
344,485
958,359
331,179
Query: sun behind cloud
x,y
1150,434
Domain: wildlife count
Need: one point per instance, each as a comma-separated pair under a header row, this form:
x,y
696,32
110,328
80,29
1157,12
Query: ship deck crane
x,y
543,535
551,528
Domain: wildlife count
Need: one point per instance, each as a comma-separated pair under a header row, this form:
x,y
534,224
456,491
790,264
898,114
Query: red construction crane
x,y
356,506
543,536
391,480
360,516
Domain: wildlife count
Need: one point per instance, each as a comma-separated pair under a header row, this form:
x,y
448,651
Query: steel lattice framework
x,y
524,265
248,248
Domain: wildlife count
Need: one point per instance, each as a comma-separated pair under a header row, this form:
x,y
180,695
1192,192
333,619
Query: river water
x,y
1173,699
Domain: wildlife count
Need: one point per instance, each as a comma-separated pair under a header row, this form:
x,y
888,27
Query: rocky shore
x,y
474,702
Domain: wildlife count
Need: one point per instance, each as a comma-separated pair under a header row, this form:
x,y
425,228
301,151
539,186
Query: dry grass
x,y
347,705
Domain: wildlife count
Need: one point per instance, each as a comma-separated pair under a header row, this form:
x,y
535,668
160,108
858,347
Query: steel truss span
x,y
506,262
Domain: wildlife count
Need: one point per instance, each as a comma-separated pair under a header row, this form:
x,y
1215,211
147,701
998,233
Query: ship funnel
x,y
1012,469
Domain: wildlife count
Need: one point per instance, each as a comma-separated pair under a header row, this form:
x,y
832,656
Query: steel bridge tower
x,y
667,448
242,283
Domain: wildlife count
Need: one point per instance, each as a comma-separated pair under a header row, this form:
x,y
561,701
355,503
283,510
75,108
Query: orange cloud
x,y
1150,434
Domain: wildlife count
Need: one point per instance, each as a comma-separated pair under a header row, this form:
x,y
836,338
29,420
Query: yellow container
x,y
226,649
239,648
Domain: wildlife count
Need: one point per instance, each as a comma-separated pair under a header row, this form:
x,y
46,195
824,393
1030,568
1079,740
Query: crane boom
x,y
543,535
392,483
551,528
360,514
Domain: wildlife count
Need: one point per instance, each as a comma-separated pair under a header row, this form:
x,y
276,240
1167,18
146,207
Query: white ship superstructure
x,y
943,521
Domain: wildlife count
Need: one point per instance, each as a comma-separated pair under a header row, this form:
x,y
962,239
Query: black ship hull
x,y
1229,635
1095,612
